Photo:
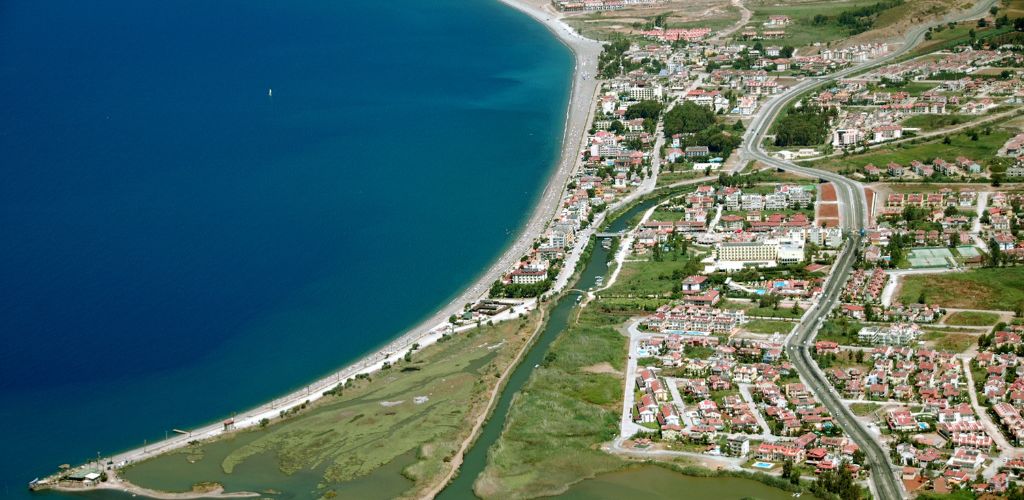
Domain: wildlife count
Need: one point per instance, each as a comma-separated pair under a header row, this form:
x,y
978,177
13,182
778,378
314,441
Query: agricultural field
x,y
361,431
989,288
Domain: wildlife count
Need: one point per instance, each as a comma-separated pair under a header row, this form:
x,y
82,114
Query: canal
x,y
476,459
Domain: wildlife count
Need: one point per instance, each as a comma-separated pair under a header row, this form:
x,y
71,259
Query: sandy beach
x,y
578,113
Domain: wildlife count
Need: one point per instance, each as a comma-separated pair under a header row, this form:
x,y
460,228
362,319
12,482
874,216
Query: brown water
x,y
650,481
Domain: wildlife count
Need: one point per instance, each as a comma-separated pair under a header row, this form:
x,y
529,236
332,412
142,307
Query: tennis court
x,y
968,252
931,257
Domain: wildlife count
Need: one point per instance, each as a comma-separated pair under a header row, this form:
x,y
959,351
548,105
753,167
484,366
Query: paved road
x,y
745,391
854,217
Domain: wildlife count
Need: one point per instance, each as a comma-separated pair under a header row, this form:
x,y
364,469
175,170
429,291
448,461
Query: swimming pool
x,y
923,426
763,465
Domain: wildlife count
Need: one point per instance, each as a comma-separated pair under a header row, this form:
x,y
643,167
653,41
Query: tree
x,y
787,468
644,109
994,252
687,118
804,126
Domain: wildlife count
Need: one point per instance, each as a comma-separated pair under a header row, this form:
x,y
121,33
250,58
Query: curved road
x,y
854,214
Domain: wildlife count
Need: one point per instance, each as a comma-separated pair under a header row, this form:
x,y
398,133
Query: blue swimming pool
x,y
763,465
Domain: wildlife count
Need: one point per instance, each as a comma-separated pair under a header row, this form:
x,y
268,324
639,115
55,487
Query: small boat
x,y
270,92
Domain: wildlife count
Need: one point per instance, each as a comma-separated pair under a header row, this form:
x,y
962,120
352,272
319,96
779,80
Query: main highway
x,y
854,215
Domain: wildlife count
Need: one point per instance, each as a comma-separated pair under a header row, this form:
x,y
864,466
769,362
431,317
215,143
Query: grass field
x,y
948,341
841,330
649,278
960,145
781,312
989,288
934,122
972,318
802,31
863,409
665,177
768,326
346,436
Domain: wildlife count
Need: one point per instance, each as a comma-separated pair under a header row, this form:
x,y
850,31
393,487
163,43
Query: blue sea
x,y
177,245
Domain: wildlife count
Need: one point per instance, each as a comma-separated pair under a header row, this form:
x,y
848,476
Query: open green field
x,y
840,330
650,278
934,122
665,177
802,31
768,326
770,312
989,288
563,412
863,409
944,340
960,145
344,438
972,318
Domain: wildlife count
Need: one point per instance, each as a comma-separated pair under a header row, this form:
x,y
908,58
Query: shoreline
x,y
581,102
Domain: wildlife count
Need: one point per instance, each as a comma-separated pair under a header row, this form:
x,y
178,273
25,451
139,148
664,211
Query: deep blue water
x,y
176,245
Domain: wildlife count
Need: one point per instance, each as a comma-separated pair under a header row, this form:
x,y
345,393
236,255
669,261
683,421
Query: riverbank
x,y
581,103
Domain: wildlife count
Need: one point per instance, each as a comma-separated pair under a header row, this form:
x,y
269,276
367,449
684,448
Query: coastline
x,y
578,113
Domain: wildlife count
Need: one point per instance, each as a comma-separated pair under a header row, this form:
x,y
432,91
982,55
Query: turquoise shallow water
x,y
178,245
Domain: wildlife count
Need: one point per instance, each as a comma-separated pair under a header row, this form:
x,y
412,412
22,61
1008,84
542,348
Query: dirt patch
x,y
827,192
605,367
828,222
828,210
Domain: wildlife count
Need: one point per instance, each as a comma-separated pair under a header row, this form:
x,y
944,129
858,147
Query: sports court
x,y
931,257
968,252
